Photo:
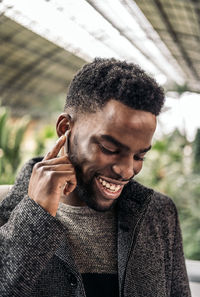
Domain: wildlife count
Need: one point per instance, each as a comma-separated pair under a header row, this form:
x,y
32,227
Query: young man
x,y
75,222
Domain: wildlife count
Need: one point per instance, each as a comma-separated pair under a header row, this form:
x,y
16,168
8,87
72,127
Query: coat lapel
x,y
131,207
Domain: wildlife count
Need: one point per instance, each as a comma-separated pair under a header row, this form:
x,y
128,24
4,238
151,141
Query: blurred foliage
x,y
46,107
43,138
11,137
180,89
171,169
196,148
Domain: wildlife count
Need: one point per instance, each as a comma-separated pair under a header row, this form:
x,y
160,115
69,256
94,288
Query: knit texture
x,y
36,258
92,237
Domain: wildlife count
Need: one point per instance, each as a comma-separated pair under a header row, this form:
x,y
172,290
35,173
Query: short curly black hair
x,y
104,79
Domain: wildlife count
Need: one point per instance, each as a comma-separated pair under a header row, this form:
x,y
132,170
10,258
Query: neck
x,y
71,199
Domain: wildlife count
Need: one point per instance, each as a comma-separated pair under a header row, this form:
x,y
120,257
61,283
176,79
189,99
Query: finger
x,y
61,167
55,161
62,151
60,178
54,152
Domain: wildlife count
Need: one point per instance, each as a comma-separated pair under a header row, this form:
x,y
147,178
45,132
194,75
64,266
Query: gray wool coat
x,y
35,258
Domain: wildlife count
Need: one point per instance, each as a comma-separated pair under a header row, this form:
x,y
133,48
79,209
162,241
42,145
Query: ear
x,y
63,124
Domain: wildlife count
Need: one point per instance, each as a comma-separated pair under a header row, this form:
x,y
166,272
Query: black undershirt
x,y
100,285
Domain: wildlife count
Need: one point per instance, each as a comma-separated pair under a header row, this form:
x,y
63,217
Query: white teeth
x,y
112,187
117,188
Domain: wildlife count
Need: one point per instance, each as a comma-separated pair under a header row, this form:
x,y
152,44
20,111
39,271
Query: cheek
x,y
138,167
95,160
100,161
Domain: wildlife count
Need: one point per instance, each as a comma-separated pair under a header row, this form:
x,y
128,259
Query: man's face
x,y
107,149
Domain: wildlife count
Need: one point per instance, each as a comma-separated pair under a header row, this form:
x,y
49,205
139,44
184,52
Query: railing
x,y
193,270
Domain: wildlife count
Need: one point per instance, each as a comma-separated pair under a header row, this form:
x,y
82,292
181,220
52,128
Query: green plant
x,y
196,148
168,168
11,137
43,138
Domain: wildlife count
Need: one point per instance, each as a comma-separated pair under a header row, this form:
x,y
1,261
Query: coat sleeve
x,y
180,283
28,240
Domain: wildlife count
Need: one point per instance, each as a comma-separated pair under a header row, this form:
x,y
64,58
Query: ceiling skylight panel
x,y
131,54
153,35
91,28
86,16
120,16
64,32
100,28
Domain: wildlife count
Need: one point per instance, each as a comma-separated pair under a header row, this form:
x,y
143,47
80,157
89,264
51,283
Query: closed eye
x,y
107,151
139,158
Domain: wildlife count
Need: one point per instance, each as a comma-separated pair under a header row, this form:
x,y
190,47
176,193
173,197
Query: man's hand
x,y
50,177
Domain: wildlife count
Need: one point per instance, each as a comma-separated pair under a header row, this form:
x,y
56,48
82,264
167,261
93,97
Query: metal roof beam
x,y
32,93
122,33
183,34
176,39
37,72
29,70
24,46
196,5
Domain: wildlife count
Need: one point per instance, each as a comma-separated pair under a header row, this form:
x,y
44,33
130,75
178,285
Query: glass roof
x,y
43,43
109,28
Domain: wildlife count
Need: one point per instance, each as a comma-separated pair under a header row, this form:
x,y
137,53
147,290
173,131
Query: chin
x,y
93,197
101,206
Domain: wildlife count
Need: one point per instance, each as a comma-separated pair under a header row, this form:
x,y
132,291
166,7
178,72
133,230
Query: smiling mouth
x,y
109,186
108,189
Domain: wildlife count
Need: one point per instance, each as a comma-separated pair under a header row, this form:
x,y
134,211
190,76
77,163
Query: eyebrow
x,y
120,145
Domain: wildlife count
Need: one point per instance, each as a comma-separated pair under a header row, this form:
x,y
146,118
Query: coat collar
x,y
132,206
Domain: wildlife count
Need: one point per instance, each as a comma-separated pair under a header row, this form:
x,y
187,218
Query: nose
x,y
124,168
